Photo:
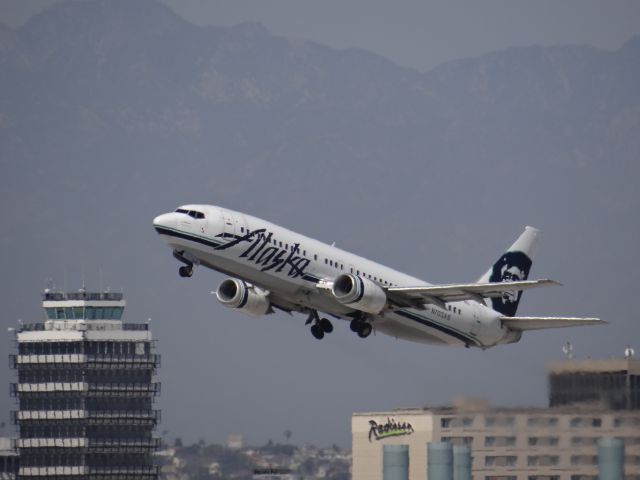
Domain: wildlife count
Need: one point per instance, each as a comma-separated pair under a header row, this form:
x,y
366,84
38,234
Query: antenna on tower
x,y
567,349
629,352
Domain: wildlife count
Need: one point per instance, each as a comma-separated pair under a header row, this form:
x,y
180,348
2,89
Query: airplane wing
x,y
538,323
440,294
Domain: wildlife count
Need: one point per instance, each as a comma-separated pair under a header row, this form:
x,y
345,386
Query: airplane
x,y
271,267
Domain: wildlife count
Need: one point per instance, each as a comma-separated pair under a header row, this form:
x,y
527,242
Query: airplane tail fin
x,y
513,265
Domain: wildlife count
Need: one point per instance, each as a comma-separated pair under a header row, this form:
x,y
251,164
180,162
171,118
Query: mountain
x,y
113,111
84,73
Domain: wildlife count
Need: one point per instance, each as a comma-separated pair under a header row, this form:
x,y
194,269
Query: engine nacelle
x,y
359,293
234,293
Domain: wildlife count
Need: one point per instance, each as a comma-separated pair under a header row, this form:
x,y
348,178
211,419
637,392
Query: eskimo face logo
x,y
378,431
512,267
262,252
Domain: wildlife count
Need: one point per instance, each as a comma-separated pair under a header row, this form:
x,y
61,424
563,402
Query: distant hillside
x,y
94,75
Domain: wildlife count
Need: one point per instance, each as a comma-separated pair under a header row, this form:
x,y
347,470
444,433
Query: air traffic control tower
x,y
85,391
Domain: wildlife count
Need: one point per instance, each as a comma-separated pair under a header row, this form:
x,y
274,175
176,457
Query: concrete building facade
x,y
506,443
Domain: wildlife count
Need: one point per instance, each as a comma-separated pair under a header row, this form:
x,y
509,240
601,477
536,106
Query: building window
x,y
580,422
542,460
500,460
542,421
499,441
626,422
458,440
584,459
456,422
500,421
543,441
584,441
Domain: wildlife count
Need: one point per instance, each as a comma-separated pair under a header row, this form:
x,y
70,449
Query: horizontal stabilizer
x,y
521,324
457,292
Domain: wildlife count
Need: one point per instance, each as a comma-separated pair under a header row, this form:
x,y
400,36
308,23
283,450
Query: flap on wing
x,y
440,294
538,323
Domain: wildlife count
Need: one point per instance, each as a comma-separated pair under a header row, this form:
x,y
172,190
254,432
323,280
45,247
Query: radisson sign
x,y
379,431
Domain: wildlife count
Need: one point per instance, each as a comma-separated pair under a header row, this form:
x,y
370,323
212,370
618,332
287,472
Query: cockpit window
x,y
191,213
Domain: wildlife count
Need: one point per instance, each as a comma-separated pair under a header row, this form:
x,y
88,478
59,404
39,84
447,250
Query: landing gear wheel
x,y
355,325
186,271
317,332
365,330
326,325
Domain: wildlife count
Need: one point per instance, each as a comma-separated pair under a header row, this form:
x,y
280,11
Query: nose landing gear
x,y
320,325
186,271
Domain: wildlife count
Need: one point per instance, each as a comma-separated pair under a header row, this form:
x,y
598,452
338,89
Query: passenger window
x,y
315,256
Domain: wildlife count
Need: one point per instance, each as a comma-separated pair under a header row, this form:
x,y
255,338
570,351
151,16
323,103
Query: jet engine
x,y
359,293
234,293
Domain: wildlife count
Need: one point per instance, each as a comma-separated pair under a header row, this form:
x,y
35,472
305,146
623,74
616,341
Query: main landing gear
x,y
361,327
186,271
320,325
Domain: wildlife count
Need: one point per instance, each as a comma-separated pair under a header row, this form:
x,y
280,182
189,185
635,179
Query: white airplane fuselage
x,y
295,270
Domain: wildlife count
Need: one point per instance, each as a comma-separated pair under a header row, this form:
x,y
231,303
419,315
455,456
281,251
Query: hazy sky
x,y
415,33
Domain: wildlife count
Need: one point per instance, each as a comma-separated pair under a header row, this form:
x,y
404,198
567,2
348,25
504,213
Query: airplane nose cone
x,y
165,220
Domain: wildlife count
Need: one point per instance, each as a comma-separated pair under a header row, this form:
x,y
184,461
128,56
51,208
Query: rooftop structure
x,y
611,383
85,391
